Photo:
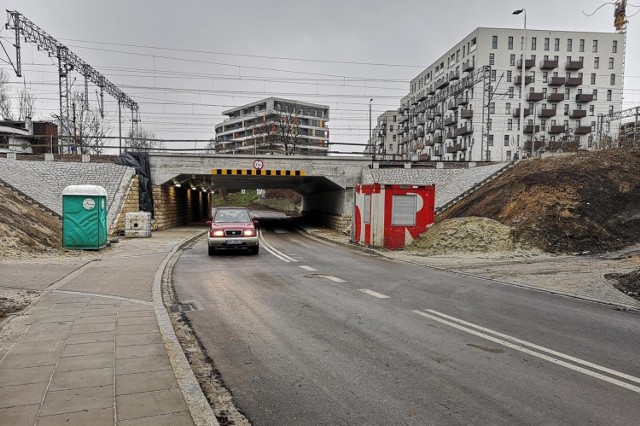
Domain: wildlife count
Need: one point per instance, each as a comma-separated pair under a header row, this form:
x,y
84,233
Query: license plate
x,y
232,242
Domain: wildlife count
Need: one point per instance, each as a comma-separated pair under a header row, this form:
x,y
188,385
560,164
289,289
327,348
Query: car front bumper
x,y
233,242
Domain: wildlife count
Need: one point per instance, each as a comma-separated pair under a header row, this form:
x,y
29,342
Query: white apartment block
x,y
570,78
386,135
274,125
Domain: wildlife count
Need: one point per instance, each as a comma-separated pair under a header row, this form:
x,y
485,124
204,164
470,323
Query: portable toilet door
x,y
84,217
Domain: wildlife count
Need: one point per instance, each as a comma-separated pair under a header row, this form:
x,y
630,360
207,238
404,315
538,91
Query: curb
x,y
199,407
625,307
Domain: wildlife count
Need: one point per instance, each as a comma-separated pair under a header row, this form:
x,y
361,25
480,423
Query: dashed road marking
x,y
373,293
308,268
334,279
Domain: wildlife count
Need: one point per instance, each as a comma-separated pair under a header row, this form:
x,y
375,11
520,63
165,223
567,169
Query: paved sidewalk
x,y
90,351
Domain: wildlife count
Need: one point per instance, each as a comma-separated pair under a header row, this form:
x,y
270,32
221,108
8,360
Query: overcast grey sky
x,y
185,62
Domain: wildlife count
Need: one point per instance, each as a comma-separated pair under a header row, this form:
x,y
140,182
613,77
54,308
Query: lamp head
x,y
518,12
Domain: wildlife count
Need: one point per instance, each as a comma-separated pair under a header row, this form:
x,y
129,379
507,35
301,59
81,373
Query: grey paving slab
x,y
22,394
137,321
24,415
99,336
138,339
27,360
149,404
36,276
102,319
139,351
85,362
25,376
76,379
44,337
90,312
100,417
145,382
87,349
56,318
51,346
136,314
85,399
138,329
177,419
50,327
142,364
93,328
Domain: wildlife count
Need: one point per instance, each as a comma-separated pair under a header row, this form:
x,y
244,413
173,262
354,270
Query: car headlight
x,y
218,233
249,233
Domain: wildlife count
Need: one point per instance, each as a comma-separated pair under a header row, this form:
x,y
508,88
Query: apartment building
x,y
274,126
386,135
570,78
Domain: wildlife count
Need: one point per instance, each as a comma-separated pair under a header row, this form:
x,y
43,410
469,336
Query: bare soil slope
x,y
25,230
589,202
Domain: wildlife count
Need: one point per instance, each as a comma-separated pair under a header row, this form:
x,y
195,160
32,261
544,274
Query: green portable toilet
x,y
84,217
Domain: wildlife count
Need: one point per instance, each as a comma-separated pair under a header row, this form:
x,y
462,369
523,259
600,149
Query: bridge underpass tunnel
x,y
186,199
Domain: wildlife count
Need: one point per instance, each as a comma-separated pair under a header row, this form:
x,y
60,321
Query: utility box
x,y
84,217
392,215
137,224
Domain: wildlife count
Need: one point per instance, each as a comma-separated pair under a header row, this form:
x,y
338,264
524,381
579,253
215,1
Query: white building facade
x,y
386,135
274,125
570,78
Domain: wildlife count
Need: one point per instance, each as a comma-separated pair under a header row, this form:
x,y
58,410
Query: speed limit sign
x,y
258,164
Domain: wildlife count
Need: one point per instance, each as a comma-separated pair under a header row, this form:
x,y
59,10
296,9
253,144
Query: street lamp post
x,y
523,78
373,155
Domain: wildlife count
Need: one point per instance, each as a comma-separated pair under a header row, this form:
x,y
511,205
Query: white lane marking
x,y
277,253
334,279
373,293
297,241
308,268
280,231
531,352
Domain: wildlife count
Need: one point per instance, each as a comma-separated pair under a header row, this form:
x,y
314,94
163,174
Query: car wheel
x,y
212,251
254,249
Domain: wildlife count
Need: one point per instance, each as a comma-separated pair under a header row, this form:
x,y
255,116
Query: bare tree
x,y
288,126
25,101
142,140
89,130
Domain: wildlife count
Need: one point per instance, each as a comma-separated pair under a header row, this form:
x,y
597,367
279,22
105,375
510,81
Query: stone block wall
x,y
178,206
131,203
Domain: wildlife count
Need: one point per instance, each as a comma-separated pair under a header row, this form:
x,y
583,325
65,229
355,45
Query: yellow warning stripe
x,y
253,172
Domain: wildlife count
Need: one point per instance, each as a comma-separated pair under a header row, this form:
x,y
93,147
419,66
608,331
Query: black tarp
x,y
140,161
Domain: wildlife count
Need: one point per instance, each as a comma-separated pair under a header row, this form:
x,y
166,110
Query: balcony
x,y
452,104
466,114
529,63
454,76
462,100
578,113
420,133
582,130
573,81
530,128
450,120
548,64
428,142
573,65
467,65
582,97
451,134
451,149
441,83
555,97
556,130
421,120
437,139
518,80
430,129
431,89
547,113
467,129
422,95
556,81
516,112
535,96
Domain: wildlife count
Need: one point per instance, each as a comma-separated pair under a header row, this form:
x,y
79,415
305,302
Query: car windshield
x,y
229,216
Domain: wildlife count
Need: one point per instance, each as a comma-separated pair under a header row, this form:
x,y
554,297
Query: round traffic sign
x,y
258,164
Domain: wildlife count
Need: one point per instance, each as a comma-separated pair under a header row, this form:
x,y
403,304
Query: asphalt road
x,y
308,333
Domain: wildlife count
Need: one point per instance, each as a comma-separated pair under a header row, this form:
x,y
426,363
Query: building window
x,y
593,78
545,77
403,210
511,92
506,140
610,63
367,209
612,79
510,43
494,42
614,49
596,63
609,93
569,44
595,46
492,58
534,43
546,43
507,108
493,75
512,60
490,140
556,45
591,109
610,109
595,94
492,108
509,76
510,124
582,45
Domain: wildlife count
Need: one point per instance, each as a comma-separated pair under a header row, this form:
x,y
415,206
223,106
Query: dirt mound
x,y
589,202
627,283
467,234
25,230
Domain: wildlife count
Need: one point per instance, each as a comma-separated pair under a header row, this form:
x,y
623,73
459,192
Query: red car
x,y
233,228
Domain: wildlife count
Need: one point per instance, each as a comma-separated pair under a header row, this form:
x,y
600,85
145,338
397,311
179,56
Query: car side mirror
x,y
256,223
208,223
